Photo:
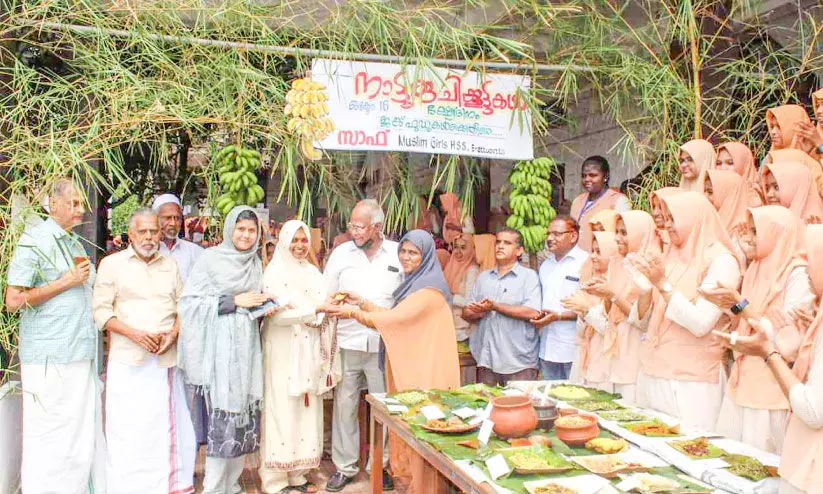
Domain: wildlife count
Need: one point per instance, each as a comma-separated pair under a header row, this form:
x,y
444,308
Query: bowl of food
x,y
576,430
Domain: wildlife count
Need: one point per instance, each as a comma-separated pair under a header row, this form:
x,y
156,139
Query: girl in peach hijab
x,y
801,470
461,273
655,200
681,363
779,156
782,122
604,221
790,184
737,157
696,158
727,192
754,409
636,236
592,366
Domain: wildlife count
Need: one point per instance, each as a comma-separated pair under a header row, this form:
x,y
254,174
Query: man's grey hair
x,y
374,209
141,213
63,186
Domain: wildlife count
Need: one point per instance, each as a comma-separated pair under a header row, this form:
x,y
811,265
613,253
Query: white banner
x,y
386,107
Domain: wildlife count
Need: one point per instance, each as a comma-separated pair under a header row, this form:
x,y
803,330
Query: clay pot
x,y
577,435
513,416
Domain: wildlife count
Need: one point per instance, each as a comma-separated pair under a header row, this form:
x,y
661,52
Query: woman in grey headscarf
x,y
219,346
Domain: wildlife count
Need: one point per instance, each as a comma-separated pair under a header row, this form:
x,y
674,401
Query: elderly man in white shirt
x,y
170,212
559,277
368,266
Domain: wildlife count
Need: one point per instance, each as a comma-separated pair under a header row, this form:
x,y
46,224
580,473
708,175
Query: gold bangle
x,y
769,356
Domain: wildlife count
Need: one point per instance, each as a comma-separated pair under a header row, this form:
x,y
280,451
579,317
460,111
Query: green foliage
x,y
76,100
121,215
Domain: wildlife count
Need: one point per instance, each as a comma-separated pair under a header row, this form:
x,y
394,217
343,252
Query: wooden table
x,y
380,417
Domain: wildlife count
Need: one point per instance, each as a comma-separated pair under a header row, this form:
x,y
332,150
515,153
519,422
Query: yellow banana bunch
x,y
530,201
308,112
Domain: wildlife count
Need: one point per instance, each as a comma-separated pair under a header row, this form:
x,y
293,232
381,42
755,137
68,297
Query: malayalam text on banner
x,y
389,107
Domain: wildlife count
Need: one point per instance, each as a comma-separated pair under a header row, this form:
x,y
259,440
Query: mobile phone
x,y
260,310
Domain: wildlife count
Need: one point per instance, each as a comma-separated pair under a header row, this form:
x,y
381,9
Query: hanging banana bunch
x,y
530,201
308,113
236,166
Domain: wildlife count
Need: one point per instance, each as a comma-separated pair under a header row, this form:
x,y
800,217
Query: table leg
x,y
376,451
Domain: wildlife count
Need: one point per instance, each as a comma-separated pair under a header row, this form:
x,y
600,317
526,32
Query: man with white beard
x,y
151,443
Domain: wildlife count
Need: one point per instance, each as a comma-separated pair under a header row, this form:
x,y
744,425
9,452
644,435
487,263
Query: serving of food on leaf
x,y
699,449
452,425
653,428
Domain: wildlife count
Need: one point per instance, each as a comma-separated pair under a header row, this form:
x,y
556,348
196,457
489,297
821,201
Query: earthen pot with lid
x,y
513,416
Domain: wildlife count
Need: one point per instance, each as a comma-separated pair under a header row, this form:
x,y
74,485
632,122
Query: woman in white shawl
x,y
300,365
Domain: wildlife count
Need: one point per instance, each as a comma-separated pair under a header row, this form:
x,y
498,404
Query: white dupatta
x,y
315,365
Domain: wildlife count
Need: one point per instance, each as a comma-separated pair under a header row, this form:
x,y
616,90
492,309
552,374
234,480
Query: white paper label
x,y
497,466
432,412
465,412
485,432
476,420
398,408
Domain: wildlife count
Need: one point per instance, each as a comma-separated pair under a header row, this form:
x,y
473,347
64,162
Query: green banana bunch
x,y
530,201
236,168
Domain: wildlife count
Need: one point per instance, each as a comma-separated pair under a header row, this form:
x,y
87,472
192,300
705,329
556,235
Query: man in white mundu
x,y
151,443
49,283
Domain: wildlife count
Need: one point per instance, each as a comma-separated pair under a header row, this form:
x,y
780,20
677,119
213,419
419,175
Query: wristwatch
x,y
820,149
738,307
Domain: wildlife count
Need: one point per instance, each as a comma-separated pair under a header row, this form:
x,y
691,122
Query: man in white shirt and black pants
x,y
368,266
559,277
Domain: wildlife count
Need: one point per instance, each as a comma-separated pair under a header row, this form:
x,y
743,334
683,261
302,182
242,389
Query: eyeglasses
x,y
356,228
557,234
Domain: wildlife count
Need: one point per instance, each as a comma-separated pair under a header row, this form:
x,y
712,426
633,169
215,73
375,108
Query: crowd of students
x,y
707,309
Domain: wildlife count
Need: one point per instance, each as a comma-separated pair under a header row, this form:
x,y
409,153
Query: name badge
x,y
572,278
394,269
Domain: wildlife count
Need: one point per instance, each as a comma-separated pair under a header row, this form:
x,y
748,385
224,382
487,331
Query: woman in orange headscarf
x,y
681,363
636,236
596,198
790,184
461,272
754,410
737,157
728,193
696,158
801,470
592,367
655,200
782,122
